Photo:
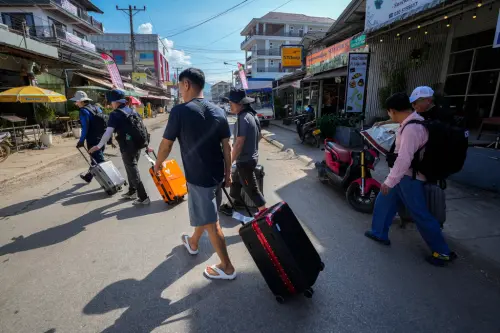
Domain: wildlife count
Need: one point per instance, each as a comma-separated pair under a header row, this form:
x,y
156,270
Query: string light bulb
x,y
381,40
446,17
479,4
418,27
426,32
474,16
409,38
448,24
398,34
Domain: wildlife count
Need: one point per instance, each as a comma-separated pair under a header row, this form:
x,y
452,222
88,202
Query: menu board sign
x,y
357,70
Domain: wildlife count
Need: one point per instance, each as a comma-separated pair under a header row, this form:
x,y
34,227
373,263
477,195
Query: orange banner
x,y
326,55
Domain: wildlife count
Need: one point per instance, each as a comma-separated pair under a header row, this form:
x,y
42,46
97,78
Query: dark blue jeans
x,y
410,193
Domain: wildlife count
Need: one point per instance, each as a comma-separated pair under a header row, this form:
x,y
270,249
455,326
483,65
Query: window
x,y
15,20
59,25
79,34
119,60
146,57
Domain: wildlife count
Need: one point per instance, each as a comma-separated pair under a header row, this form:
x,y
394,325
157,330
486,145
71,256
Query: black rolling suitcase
x,y
282,251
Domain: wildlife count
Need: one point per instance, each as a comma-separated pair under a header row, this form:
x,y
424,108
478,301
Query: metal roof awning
x,y
101,82
342,71
293,84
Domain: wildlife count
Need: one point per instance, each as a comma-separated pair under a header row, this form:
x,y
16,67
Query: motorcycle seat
x,y
344,153
4,135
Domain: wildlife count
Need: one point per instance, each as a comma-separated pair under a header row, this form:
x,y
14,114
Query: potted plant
x,y
43,114
341,128
74,116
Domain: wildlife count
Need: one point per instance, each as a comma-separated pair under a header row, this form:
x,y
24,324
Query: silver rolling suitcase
x,y
107,175
436,202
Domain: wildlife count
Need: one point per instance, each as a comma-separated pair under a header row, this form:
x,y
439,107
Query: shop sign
x,y
291,56
496,42
168,83
113,70
139,78
359,41
330,58
357,71
380,13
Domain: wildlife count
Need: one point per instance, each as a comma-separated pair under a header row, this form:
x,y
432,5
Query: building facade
x,y
264,37
150,57
64,24
219,90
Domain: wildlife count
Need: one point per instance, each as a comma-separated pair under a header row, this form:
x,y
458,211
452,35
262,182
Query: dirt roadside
x,y
72,161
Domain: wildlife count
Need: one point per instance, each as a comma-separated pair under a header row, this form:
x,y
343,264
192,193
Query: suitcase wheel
x,y
309,293
280,299
321,266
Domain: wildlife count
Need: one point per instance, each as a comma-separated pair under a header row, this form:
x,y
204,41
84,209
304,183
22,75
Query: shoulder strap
x,y
414,121
124,112
200,104
90,108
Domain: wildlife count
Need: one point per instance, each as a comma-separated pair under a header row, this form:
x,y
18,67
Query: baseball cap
x,y
421,92
238,96
80,96
116,95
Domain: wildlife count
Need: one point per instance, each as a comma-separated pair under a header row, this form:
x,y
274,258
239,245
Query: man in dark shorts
x,y
245,148
203,133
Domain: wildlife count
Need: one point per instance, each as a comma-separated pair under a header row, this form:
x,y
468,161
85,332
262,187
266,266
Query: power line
x,y
131,12
209,19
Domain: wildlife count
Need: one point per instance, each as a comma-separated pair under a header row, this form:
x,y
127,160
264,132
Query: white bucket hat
x,y
80,96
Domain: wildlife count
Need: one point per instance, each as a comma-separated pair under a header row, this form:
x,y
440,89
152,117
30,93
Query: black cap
x,y
238,96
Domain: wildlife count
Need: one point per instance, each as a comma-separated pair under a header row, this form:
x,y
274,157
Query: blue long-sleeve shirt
x,y
85,121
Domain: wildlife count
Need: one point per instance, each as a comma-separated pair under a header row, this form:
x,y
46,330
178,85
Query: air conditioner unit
x,y
4,27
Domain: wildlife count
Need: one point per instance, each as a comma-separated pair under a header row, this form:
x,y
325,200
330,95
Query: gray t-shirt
x,y
248,125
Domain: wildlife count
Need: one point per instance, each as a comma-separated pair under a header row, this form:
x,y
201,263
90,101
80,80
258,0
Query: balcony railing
x,y
47,34
269,52
80,13
271,69
281,33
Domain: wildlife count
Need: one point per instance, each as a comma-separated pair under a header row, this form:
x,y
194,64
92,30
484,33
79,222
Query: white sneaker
x,y
139,202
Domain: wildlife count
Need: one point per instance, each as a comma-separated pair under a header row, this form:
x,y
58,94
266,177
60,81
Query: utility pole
x,y
131,11
177,69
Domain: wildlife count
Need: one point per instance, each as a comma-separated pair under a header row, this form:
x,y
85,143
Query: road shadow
x,y
48,199
147,306
63,232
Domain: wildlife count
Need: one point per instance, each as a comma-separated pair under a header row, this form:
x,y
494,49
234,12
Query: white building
x,y
219,90
264,36
64,24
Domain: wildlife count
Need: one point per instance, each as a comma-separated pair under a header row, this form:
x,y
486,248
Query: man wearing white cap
x,y
422,101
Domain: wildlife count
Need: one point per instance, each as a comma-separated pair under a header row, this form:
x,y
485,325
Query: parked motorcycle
x,y
307,130
349,169
5,145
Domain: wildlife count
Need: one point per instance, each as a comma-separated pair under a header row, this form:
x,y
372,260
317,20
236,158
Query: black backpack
x,y
445,151
136,129
99,119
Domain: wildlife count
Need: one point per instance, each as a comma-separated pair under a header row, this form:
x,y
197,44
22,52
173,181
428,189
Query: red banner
x,y
113,70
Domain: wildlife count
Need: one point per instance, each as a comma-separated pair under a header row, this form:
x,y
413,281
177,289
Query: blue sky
x,y
170,16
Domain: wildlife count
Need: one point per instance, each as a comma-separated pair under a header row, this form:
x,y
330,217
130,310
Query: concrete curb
x,y
42,165
304,159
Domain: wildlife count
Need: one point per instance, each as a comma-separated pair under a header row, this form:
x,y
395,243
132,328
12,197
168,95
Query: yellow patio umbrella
x,y
31,94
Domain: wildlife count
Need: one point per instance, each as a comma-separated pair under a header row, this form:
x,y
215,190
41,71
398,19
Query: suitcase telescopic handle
x,y
85,157
232,204
151,150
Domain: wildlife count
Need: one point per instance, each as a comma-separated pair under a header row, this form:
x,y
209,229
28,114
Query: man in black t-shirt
x,y
203,133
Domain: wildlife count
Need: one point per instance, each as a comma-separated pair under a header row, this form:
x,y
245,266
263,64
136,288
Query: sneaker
x,y
130,195
441,260
139,202
87,178
226,210
370,235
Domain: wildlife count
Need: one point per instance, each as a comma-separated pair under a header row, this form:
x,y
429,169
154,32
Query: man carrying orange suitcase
x,y
202,128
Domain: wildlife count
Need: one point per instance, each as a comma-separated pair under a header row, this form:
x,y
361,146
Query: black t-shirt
x,y
437,113
200,130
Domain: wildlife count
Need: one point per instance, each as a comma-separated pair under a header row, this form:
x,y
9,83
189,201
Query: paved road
x,y
74,260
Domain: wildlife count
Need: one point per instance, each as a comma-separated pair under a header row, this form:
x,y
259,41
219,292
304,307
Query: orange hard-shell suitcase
x,y
171,182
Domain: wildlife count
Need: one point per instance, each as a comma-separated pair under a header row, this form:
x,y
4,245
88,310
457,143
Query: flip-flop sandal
x,y
185,241
221,275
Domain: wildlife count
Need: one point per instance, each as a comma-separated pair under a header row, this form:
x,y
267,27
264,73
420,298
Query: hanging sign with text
x,y
357,70
113,70
291,56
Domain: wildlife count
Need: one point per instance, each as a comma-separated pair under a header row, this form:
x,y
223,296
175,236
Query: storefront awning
x,y
293,84
157,97
342,71
101,82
